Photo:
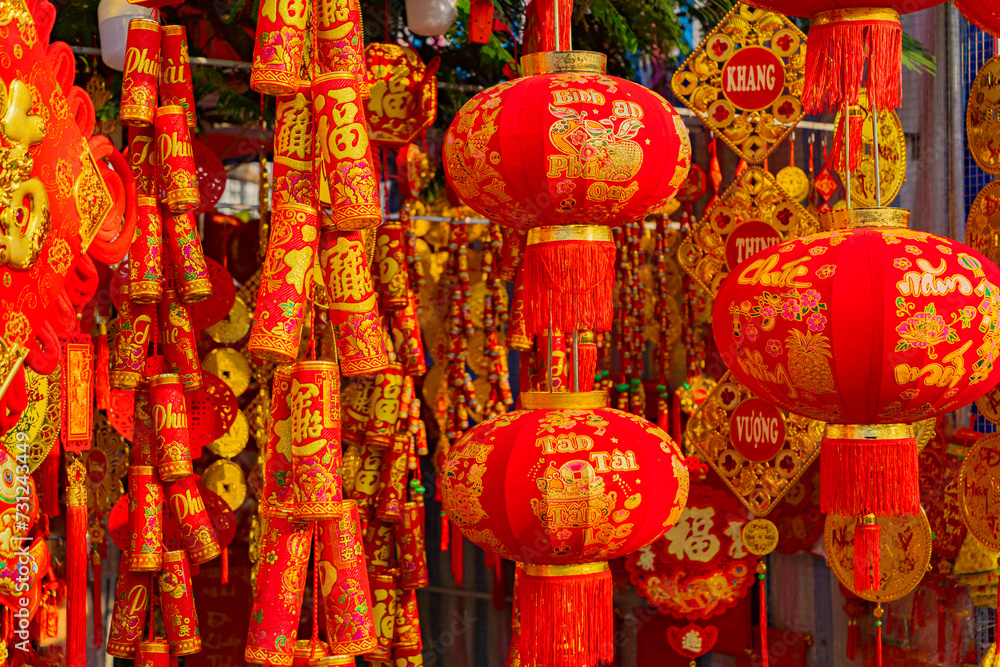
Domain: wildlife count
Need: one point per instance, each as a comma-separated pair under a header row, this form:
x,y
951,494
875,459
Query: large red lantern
x,y
984,14
853,45
567,151
563,488
868,326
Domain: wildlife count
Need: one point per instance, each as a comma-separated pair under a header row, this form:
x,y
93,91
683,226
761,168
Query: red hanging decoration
x,y
76,565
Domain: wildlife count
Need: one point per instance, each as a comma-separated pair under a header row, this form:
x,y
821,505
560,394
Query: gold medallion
x,y
234,326
923,431
905,553
723,429
982,117
892,158
230,366
794,182
745,79
990,659
753,214
982,229
38,426
233,441
978,481
760,537
226,479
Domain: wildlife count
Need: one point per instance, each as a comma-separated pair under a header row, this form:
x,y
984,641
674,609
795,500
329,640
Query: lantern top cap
x,y
560,62
584,400
855,14
571,570
868,431
853,218
551,233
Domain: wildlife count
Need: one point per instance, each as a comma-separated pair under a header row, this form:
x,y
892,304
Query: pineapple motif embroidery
x,y
808,361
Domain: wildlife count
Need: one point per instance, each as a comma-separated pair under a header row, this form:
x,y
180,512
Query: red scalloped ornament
x,y
692,640
211,175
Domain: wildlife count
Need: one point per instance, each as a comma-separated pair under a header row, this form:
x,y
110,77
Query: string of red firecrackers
x,y
500,399
661,314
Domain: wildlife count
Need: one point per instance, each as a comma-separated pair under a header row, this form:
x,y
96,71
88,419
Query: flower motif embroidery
x,y
773,347
908,394
810,299
924,331
826,271
815,252
790,311
902,263
914,250
816,322
751,332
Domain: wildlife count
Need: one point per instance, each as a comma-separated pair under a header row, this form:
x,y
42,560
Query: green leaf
x,y
916,57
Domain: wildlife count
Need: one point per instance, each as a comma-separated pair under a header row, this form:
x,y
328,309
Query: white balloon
x,y
430,17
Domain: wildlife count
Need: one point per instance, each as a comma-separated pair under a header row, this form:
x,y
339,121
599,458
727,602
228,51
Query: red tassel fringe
x,y
838,150
224,579
76,586
566,278
853,635
47,482
566,621
836,59
867,565
587,366
860,477
457,556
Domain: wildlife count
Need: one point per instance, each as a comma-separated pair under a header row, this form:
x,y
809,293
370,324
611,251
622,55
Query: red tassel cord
x,y
839,150
95,567
76,566
566,620
878,635
846,56
761,569
860,477
867,566
224,579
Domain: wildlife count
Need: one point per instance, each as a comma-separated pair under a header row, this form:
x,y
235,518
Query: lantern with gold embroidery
x,y
403,94
562,487
867,326
567,151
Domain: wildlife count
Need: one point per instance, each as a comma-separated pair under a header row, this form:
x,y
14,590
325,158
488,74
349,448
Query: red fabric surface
x,y
810,7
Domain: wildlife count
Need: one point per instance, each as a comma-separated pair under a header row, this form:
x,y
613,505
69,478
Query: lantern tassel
x,y
869,474
853,635
765,657
566,615
841,44
76,567
568,282
224,579
457,556
867,567
102,367
838,149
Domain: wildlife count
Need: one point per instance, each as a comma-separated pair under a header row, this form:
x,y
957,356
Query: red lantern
x,y
984,14
403,94
568,150
844,37
868,326
562,489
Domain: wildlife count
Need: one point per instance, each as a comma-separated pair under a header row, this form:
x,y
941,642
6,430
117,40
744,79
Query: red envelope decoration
x,y
692,640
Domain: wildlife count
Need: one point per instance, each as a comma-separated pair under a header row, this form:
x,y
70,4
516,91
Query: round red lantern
x,y
984,14
868,326
567,151
562,487
844,37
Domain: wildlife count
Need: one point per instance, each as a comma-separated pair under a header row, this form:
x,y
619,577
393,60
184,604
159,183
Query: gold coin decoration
x,y
989,404
752,214
717,82
759,485
990,659
892,158
905,553
979,490
760,537
230,366
794,182
233,441
234,326
982,229
982,117
226,479
38,425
